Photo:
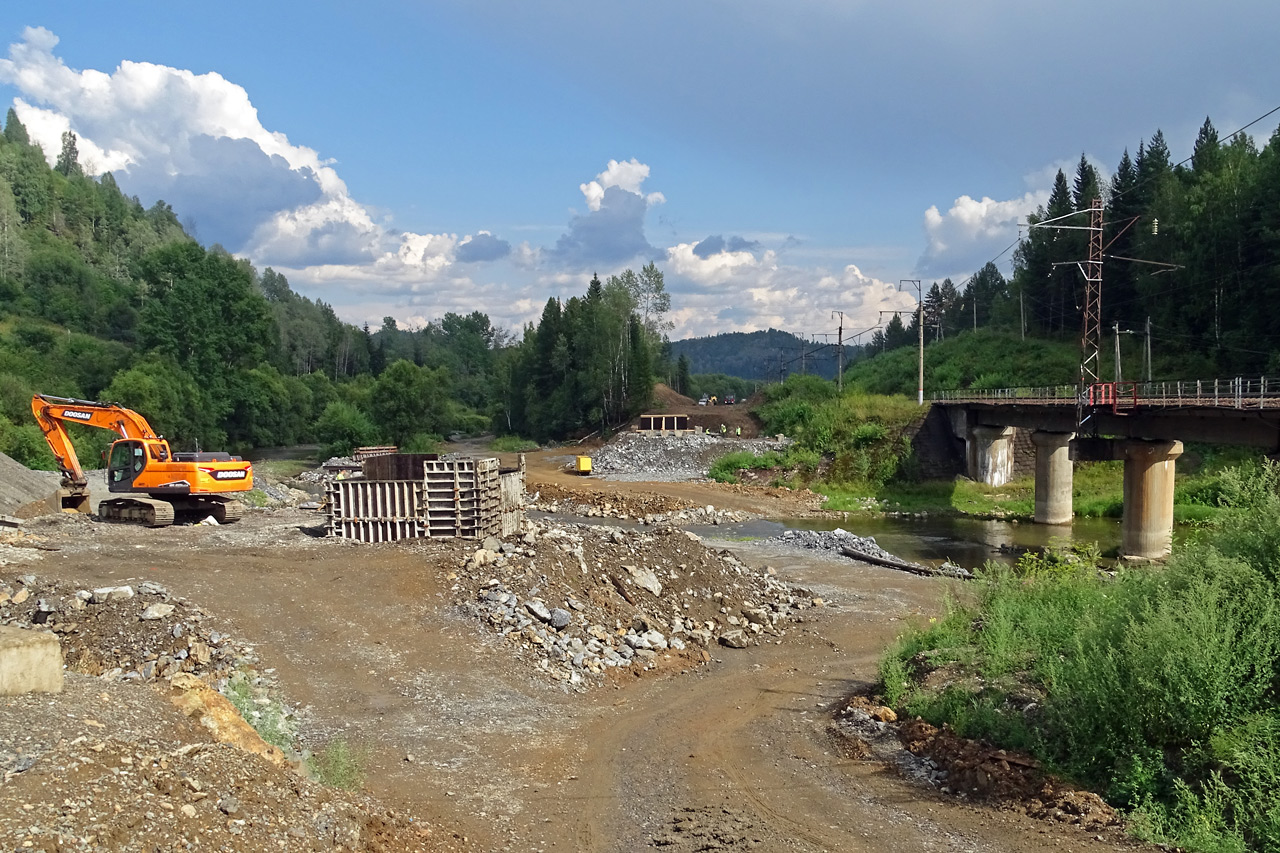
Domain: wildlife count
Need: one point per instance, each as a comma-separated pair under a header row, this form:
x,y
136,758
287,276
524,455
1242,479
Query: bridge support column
x,y
1053,477
1147,528
990,454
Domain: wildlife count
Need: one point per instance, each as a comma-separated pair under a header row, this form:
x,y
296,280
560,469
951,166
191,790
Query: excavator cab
x,y
124,464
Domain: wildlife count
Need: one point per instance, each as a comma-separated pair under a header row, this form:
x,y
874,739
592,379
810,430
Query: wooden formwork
x,y
462,498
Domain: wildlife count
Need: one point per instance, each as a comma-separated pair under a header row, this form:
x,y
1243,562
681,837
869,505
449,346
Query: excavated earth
x,y
602,683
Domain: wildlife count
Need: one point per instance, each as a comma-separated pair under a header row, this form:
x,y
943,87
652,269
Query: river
x,y
967,542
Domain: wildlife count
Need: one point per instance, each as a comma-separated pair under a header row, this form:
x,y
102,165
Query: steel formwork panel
x,y
463,498
375,510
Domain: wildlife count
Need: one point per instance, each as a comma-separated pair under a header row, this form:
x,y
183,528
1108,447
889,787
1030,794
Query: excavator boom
x,y
53,413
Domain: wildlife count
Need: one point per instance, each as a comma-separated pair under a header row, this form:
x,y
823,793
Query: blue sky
x,y
777,161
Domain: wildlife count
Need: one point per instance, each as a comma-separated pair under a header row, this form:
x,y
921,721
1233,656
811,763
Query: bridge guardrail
x,y
1236,393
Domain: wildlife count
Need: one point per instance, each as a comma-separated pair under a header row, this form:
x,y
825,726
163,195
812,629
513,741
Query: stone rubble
x,y
577,601
625,510
642,456
134,776
829,540
835,541
139,633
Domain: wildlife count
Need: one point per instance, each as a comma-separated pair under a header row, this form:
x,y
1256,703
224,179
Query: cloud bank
x,y
197,142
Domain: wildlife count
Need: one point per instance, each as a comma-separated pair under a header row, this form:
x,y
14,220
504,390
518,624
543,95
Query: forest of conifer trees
x,y
1193,246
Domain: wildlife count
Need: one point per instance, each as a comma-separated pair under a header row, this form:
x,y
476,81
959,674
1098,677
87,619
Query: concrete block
x,y
30,662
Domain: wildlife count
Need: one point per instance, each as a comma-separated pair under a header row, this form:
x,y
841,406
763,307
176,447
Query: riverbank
x,y
1207,480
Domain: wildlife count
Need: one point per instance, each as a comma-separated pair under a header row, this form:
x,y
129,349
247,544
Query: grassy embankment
x,y
851,447
1154,686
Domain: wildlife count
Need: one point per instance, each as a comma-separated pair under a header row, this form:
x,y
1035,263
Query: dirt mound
x,y
26,493
106,765
976,770
734,418
665,399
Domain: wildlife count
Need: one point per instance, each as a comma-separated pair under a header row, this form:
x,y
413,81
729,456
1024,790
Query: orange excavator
x,y
160,482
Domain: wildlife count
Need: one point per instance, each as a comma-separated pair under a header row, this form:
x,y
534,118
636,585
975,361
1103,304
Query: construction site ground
x,y
466,746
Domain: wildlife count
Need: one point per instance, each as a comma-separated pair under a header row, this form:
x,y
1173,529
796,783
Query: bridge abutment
x,y
1147,528
990,454
1054,471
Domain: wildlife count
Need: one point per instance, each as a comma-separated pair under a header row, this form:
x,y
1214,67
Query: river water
x,y
967,542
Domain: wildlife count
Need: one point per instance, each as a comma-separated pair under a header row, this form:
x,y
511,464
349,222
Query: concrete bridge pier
x,y
1053,476
1147,527
990,454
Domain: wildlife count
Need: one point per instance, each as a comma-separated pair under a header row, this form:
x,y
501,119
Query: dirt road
x,y
739,754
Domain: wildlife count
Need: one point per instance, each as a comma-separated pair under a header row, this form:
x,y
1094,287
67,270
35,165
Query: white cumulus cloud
x,y
627,175
746,291
972,232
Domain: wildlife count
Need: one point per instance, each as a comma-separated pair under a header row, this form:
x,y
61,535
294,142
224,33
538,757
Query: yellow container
x,y
583,465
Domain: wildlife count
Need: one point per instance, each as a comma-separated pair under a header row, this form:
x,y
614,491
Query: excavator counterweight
x,y
160,483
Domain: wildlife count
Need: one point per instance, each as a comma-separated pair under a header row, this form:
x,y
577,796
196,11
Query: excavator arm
x,y
53,414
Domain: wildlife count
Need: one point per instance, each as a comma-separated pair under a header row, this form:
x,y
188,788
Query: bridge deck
x,y
1236,394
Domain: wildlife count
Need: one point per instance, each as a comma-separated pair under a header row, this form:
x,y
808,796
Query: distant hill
x,y
757,355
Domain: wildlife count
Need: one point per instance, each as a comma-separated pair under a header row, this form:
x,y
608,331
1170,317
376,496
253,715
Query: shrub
x,y
342,428
422,442
1158,684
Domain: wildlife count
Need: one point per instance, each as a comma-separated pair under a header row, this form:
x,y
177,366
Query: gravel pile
x,y
132,632
660,458
110,764
578,602
838,540
708,514
830,540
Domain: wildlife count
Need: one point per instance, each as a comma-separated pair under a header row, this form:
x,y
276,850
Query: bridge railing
x,y
1057,394
1236,393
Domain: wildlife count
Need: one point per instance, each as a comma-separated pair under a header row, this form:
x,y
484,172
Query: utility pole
x,y
1146,350
1116,329
1091,333
839,353
920,328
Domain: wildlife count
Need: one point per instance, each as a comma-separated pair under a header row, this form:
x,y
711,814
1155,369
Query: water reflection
x,y
967,542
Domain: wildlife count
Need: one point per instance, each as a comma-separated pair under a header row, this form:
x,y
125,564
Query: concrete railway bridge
x,y
1141,423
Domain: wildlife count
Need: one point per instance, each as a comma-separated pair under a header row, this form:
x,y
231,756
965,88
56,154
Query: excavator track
x,y
227,511
148,511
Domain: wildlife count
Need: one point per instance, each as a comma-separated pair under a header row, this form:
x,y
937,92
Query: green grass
x,y
959,497
512,444
338,765
254,498
283,469
1154,686
1097,492
271,721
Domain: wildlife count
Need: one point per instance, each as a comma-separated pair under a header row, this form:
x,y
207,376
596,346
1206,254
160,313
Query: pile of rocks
x,y
280,494
830,540
135,632
140,633
577,601
642,456
606,508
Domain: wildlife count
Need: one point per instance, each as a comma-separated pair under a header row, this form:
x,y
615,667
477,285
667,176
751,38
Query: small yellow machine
x,y
582,465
